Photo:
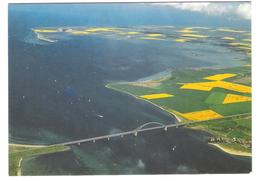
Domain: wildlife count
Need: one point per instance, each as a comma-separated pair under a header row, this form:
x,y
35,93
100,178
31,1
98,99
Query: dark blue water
x,y
148,153
57,93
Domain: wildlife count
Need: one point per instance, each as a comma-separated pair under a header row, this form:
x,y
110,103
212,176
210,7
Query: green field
x,y
215,98
18,152
229,129
239,127
186,100
232,109
190,100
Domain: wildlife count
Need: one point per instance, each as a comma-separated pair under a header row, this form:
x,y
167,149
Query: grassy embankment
x,y
19,152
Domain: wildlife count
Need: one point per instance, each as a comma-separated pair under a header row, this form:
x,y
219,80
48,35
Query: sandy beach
x,y
231,151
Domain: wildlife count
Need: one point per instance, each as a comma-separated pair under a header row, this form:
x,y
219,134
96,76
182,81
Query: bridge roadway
x,y
135,132
141,129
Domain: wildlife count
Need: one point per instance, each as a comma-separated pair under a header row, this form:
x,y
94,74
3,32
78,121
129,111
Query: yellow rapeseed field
x,y
207,86
181,40
219,76
245,48
200,115
100,29
233,86
45,30
133,33
129,33
233,98
228,38
230,30
154,35
194,35
187,30
240,44
203,86
156,96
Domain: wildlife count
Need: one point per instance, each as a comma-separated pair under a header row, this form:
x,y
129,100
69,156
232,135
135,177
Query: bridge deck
x,y
135,131
118,134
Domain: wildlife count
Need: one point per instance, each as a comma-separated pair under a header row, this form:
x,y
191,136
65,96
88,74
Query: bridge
x,y
134,132
142,128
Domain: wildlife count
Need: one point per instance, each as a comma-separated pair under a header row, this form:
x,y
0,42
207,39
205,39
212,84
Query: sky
x,y
239,9
236,14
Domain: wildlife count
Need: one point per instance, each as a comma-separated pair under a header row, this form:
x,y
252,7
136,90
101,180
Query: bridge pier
x,y
79,143
135,133
122,136
108,138
165,128
94,141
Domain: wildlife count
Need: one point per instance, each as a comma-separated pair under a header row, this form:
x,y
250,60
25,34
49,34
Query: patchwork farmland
x,y
208,95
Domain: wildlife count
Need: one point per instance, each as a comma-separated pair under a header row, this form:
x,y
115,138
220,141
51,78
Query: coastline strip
x,y
19,170
231,151
27,145
118,90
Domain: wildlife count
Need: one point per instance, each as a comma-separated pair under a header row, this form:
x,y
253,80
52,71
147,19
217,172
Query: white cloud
x,y
243,10
190,6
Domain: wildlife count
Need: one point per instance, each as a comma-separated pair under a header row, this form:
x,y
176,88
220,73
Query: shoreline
x,y
43,38
19,169
27,145
17,157
226,150
175,116
231,151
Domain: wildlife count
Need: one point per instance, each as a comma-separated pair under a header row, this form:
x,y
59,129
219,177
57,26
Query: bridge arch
x,y
149,123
